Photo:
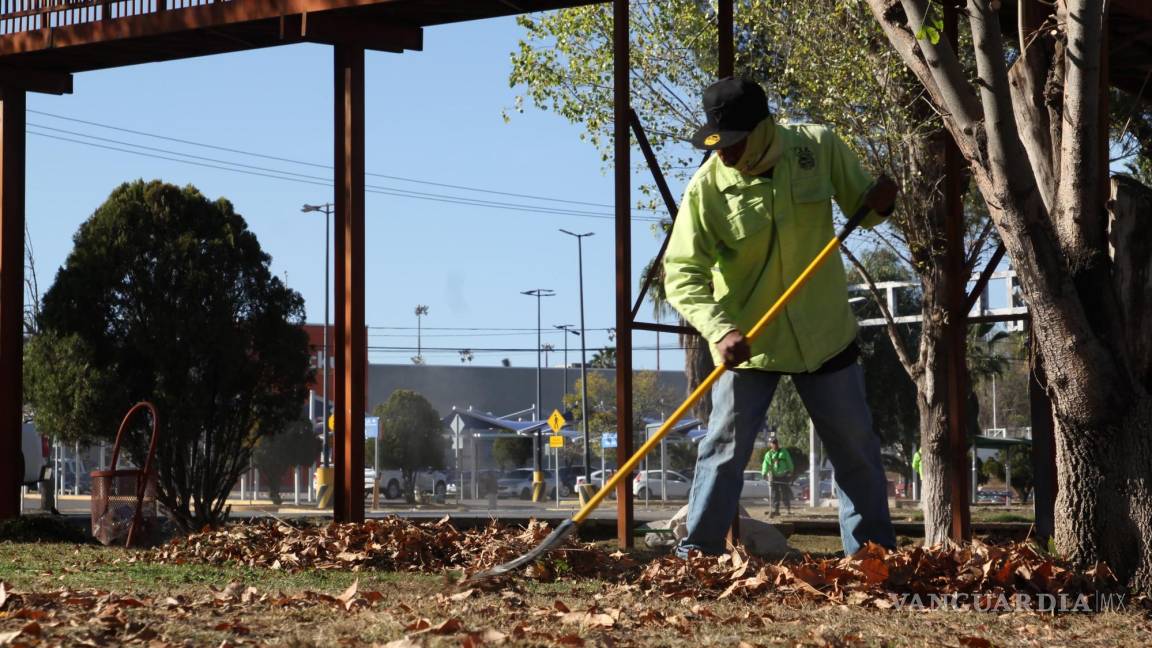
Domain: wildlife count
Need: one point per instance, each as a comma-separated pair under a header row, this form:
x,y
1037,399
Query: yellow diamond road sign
x,y
556,421
556,441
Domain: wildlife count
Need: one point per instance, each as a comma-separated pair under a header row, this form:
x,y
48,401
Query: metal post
x,y
813,467
295,485
583,358
12,159
1008,473
623,201
537,413
957,323
725,40
324,450
351,339
975,481
1044,481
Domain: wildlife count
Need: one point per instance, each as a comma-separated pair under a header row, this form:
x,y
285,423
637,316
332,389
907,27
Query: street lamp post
x,y
583,358
538,458
567,328
327,209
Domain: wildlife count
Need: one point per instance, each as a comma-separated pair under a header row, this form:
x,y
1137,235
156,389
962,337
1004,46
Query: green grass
x,y
40,566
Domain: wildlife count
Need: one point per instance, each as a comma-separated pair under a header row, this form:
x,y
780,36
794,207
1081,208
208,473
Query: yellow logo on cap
x,y
711,139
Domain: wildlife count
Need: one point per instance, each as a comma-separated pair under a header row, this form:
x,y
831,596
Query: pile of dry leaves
x,y
387,544
879,577
872,577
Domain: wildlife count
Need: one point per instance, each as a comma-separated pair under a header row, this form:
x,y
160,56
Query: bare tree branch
x,y
911,368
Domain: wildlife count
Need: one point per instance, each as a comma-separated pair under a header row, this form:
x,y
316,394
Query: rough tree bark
x,y
1056,235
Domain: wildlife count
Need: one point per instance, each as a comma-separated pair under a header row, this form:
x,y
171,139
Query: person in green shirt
x,y
777,469
752,218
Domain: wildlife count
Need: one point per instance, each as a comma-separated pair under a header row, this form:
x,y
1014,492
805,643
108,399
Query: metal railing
x,y
1009,307
18,16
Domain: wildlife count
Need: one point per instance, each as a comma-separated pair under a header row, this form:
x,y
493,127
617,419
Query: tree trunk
x,y
1104,502
697,365
932,401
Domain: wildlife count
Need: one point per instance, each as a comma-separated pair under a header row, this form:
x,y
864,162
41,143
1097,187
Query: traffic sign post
x,y
556,422
458,427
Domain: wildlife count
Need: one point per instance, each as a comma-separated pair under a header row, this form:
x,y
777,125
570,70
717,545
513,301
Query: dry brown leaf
x,y
460,596
560,607
975,642
451,626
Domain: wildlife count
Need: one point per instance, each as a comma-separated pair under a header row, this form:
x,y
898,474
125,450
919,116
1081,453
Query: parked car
x,y
755,486
649,482
518,483
598,477
800,488
990,496
392,482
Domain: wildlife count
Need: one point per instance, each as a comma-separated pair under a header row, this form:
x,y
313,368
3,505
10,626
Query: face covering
x,y
763,149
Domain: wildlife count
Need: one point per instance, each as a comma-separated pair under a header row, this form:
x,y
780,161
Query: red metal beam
x,y
208,16
726,49
623,195
12,158
36,80
351,337
957,328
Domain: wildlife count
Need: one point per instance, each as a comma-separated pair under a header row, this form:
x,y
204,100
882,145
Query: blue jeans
x,y
837,405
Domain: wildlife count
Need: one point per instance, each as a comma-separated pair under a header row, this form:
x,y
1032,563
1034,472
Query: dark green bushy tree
x,y
274,455
411,437
167,297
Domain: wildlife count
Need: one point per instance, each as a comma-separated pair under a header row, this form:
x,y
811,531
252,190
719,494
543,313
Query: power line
x,y
276,174
312,164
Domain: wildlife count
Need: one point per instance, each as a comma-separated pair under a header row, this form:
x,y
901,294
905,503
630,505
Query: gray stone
x,y
758,537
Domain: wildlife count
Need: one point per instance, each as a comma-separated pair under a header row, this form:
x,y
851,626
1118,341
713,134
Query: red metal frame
x,y
12,156
142,475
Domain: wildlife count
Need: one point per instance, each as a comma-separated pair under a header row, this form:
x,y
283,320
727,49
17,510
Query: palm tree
x,y
697,357
604,358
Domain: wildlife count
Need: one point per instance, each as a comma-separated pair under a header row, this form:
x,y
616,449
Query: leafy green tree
x,y
511,452
167,297
1021,463
651,401
411,436
991,468
275,454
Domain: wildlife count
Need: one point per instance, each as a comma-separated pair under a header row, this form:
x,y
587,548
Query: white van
x,y
36,465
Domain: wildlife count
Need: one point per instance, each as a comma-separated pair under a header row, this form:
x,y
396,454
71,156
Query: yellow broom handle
x,y
697,393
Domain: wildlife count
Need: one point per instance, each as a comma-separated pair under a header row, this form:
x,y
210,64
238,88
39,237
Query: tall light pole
x,y
567,328
538,455
421,311
583,358
327,209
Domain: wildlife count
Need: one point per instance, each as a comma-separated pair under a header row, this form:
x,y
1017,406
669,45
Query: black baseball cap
x,y
734,107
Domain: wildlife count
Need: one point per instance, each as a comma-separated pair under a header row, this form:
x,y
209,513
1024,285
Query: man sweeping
x,y
777,468
752,218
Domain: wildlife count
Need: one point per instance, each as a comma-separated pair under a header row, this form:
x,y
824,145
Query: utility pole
x,y
583,357
538,458
567,328
421,311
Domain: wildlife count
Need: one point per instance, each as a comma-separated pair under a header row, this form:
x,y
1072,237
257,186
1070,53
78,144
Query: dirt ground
x,y
61,594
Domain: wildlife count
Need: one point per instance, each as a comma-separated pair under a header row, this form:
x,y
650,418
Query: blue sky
x,y
434,116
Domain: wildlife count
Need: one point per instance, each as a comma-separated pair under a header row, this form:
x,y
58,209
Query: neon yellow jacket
x,y
739,241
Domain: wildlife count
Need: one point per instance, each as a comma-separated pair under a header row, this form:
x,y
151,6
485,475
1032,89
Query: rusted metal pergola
x,y
44,42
